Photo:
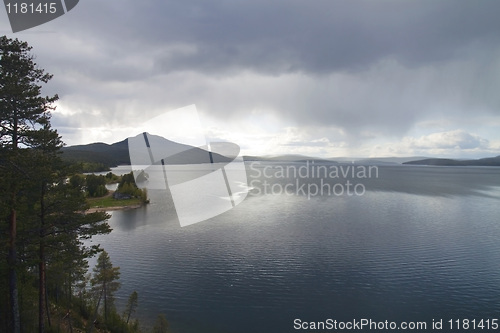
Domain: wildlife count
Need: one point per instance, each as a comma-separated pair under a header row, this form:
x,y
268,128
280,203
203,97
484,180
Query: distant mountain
x,y
342,160
490,161
176,153
387,160
101,153
286,158
115,154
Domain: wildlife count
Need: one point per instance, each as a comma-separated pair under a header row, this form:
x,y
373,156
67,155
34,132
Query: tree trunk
x,y
47,304
105,302
70,324
41,292
12,259
92,320
68,315
12,256
41,265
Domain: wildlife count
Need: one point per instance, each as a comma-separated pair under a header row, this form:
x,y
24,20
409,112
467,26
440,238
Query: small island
x,y
126,196
489,161
108,203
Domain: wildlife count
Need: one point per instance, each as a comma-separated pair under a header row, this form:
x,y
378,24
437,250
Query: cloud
x,y
388,98
353,73
457,139
286,36
452,144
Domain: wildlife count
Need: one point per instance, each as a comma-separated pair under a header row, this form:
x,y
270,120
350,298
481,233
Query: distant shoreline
x,y
104,209
115,204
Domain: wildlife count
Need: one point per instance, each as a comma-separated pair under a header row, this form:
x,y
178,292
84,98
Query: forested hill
x,y
98,153
490,161
111,155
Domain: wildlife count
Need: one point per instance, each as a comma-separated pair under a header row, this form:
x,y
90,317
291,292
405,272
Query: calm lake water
x,y
413,244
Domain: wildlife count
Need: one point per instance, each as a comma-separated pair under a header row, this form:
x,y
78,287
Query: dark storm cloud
x,y
367,68
276,37
282,36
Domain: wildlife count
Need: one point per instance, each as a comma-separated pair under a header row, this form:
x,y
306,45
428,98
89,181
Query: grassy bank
x,y
108,201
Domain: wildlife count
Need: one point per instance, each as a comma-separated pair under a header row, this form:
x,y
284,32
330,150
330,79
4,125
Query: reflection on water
x,y
421,243
423,180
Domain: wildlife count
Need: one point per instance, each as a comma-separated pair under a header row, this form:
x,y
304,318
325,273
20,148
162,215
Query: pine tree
x,y
131,306
161,325
43,158
63,226
41,212
22,112
105,282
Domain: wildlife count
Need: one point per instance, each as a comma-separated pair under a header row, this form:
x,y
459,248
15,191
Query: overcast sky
x,y
325,78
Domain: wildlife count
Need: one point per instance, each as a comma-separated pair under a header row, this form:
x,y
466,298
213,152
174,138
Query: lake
x,y
408,244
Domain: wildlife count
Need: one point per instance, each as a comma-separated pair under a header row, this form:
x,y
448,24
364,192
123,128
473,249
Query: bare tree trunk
x,y
12,260
47,304
41,292
105,302
12,256
41,266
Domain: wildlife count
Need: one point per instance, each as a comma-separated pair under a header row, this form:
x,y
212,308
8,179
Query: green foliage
x,y
131,306
161,325
22,107
98,154
40,212
96,185
77,181
114,322
87,167
127,179
24,124
128,186
101,191
105,282
105,202
111,178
